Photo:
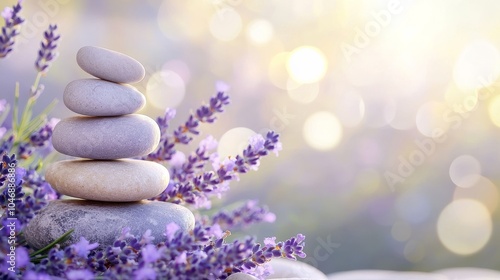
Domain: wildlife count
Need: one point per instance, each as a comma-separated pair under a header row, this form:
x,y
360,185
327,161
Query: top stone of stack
x,y
109,65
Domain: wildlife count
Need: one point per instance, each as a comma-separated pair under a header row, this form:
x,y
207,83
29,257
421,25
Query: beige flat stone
x,y
108,180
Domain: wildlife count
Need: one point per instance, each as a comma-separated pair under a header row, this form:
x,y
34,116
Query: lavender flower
x,y
38,139
244,216
204,114
80,275
202,253
47,52
195,188
11,28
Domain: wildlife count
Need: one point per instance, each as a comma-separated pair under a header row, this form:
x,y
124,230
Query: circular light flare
x,y
302,93
431,118
277,71
379,111
464,226
460,100
322,131
234,141
483,191
179,67
415,253
225,25
350,109
494,110
260,31
306,65
165,89
465,171
368,181
401,231
477,66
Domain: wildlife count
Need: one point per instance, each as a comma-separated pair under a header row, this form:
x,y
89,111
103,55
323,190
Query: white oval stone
x,y
103,222
463,273
106,137
109,65
241,276
108,180
94,97
289,269
386,275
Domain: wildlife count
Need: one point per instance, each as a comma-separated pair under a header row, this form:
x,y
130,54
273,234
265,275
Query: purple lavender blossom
x,y
244,216
83,247
7,145
31,275
203,253
204,114
11,28
83,274
38,139
193,185
47,52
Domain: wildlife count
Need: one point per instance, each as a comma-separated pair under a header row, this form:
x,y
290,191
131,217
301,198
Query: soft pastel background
x,y
356,89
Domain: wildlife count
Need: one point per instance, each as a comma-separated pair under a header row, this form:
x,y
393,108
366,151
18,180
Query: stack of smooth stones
x,y
107,188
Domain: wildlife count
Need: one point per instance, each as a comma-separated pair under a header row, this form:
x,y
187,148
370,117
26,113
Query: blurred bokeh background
x,y
389,111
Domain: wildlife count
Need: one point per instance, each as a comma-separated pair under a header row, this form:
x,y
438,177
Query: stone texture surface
x,y
109,65
102,222
385,275
288,269
470,273
108,180
106,137
241,276
94,97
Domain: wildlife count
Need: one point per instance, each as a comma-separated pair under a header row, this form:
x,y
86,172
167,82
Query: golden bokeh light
x,y
226,24
494,110
349,108
477,66
302,93
483,190
401,231
465,171
322,131
277,71
259,31
464,226
165,89
234,141
433,117
307,64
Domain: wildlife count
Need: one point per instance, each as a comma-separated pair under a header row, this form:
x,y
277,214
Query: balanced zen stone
x,y
102,222
108,180
109,65
94,97
288,269
106,137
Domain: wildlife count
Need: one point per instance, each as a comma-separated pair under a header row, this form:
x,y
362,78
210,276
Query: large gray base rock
x,y
102,222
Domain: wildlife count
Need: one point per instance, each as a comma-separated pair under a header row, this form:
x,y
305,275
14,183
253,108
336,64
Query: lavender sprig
x,y
204,114
38,139
197,189
242,217
11,28
47,53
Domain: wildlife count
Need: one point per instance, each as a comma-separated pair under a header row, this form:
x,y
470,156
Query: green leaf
x,y
44,250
